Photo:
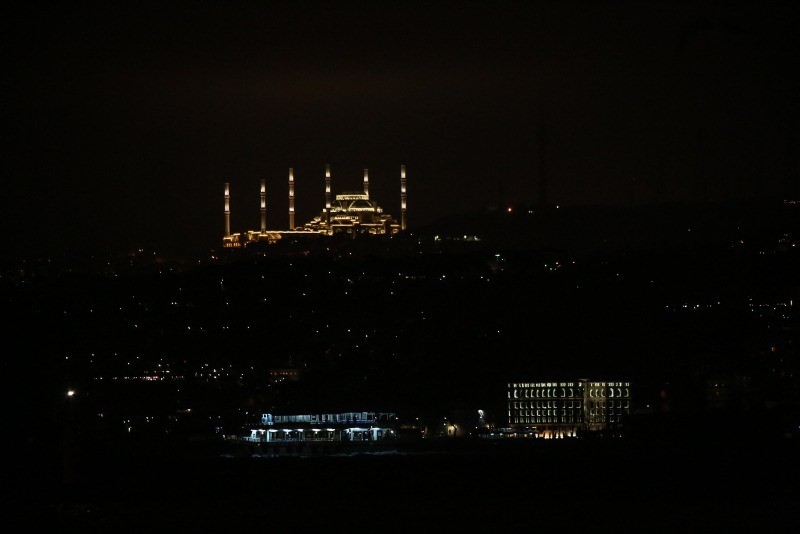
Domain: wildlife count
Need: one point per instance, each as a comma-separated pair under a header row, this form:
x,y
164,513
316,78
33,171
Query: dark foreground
x,y
617,484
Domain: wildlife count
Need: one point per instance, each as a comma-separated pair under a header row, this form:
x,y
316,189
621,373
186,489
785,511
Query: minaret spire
x,y
328,195
402,197
227,210
263,206
291,198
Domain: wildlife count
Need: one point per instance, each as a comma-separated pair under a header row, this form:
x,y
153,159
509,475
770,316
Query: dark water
x,y
616,484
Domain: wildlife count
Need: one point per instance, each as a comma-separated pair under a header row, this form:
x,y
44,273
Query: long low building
x,y
345,426
567,409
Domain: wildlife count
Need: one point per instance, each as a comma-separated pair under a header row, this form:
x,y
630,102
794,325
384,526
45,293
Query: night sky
x,y
123,121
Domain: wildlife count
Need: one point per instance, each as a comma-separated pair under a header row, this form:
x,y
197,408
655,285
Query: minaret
x,y
328,195
291,198
402,197
227,210
263,206
366,182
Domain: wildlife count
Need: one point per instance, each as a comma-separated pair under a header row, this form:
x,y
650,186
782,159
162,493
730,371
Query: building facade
x,y
353,213
554,410
346,426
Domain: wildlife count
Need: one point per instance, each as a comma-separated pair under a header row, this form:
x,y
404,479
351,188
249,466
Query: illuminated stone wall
x,y
564,409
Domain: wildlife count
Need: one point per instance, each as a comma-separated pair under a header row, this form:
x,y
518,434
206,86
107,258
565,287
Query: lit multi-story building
x,y
567,409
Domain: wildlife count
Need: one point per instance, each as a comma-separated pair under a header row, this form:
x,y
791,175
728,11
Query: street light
x,y
68,443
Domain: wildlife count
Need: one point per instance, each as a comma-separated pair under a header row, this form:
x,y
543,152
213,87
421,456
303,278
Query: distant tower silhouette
x,y
501,197
700,171
790,184
759,168
542,147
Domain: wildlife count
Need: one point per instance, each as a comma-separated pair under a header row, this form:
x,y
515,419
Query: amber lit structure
x,y
350,213
553,410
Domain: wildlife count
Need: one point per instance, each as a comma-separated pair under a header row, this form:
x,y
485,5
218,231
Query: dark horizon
x,y
126,119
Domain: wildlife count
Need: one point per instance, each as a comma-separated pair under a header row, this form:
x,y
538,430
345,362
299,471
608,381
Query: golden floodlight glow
x,y
351,213
263,206
227,210
291,198
327,194
402,197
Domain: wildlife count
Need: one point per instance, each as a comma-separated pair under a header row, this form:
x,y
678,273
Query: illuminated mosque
x,y
348,213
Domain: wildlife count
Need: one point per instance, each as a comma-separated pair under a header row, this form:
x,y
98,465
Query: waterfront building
x,y
567,409
345,426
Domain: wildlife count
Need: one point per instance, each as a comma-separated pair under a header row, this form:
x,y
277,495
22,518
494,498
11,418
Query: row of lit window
x,y
545,393
610,404
545,385
546,404
568,393
335,417
618,411
572,406
540,420
540,413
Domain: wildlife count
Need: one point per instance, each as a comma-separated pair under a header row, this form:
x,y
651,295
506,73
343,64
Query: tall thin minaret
x,y
402,197
291,198
328,194
227,210
366,182
263,206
